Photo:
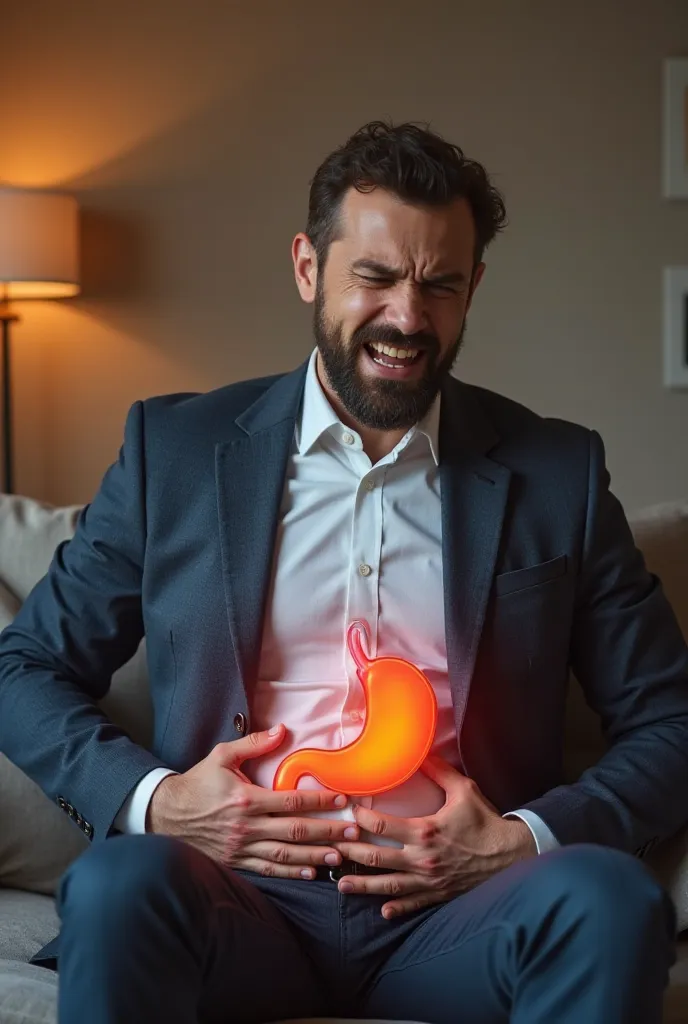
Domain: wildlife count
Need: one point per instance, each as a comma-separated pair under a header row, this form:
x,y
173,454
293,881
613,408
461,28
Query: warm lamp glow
x,y
401,717
39,245
40,290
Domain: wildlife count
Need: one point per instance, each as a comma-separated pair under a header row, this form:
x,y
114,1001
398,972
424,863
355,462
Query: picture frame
x,y
675,128
676,327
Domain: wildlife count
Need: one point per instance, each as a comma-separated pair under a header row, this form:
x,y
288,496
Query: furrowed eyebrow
x,y
376,268
384,271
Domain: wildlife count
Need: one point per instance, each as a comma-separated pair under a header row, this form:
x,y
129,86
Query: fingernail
x,y
346,887
387,914
275,729
332,858
340,801
307,873
350,833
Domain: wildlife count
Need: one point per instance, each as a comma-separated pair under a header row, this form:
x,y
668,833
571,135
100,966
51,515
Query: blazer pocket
x,y
533,576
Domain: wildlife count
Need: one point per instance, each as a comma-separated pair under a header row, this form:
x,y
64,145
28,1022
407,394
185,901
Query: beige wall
x,y
189,131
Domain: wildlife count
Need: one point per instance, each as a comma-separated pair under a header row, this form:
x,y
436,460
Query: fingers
x,y
441,772
454,782
375,856
300,859
302,830
235,752
411,892
296,801
405,830
416,901
398,884
269,869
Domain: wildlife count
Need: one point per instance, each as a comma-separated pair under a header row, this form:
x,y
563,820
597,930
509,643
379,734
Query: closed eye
x,y
375,280
443,289
431,286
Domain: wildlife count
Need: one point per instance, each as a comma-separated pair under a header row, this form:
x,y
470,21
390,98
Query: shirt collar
x,y
317,416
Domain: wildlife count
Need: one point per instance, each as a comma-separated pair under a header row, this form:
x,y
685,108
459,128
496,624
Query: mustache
x,y
391,336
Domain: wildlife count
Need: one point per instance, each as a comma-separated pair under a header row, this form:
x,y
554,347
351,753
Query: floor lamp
x,y
39,259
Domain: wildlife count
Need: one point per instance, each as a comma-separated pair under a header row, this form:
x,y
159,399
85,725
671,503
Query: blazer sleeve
x,y
80,623
630,657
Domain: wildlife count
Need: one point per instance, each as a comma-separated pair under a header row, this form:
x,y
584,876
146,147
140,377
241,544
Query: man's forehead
x,y
382,222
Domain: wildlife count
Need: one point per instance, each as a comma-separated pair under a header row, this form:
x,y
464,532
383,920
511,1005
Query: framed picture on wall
x,y
675,128
676,327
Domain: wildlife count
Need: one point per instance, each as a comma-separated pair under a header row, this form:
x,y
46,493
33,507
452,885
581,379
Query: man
x,y
241,532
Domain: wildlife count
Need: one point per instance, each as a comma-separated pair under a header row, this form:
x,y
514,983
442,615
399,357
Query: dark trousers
x,y
153,930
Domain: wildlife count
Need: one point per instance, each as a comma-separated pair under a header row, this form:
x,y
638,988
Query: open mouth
x,y
391,357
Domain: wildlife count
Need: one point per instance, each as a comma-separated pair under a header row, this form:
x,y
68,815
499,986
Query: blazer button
x,y
240,723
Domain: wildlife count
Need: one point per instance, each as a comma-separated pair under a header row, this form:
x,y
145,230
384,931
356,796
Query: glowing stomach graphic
x,y
401,717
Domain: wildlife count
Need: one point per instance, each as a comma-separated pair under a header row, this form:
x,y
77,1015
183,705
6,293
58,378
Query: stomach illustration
x,y
399,729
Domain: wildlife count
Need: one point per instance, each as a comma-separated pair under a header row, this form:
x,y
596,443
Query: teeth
x,y
394,353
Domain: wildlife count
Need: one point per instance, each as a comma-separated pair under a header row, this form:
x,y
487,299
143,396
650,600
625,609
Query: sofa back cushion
x,y
37,840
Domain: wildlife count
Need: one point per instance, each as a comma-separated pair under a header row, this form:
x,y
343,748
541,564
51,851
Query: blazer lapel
x,y
474,493
249,472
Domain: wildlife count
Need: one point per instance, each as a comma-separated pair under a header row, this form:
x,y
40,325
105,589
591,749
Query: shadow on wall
x,y
115,263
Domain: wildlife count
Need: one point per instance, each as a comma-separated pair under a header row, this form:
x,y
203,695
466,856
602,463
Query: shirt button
x,y
369,485
356,716
348,438
364,570
240,723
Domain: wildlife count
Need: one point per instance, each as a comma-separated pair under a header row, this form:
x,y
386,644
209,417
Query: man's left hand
x,y
443,854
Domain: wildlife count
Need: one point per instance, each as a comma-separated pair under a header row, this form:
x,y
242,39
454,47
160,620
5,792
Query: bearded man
x,y
241,532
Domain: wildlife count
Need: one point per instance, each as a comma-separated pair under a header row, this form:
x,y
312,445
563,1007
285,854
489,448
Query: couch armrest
x,y
668,861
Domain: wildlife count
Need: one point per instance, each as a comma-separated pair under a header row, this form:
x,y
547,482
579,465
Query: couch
x,y
38,840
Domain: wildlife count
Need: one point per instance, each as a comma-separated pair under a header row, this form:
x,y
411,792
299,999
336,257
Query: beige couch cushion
x,y
661,533
37,840
29,533
28,920
28,994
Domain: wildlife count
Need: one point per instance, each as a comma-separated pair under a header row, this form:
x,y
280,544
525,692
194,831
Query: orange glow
x,y
401,717
38,290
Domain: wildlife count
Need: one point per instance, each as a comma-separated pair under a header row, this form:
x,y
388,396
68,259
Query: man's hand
x,y
215,808
444,854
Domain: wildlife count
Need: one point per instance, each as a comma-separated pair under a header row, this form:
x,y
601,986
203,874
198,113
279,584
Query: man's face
x,y
391,304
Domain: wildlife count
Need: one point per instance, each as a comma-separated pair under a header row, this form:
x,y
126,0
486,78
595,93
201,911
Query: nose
x,y
406,309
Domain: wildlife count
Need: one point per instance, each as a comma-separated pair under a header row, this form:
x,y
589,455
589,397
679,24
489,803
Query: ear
x,y
475,281
305,266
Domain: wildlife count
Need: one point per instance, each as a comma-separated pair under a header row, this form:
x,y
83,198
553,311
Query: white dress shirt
x,y
354,541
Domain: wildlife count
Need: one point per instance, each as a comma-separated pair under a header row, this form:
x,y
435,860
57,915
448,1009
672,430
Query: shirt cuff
x,y
542,834
131,817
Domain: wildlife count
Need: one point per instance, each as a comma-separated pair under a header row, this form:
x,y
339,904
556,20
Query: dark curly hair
x,y
413,163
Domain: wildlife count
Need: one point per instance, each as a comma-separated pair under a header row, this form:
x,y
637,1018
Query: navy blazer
x,y
540,574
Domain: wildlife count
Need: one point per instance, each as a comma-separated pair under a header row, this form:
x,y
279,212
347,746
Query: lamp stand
x,y
7,318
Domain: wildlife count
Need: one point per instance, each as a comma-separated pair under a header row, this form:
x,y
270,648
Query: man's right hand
x,y
215,808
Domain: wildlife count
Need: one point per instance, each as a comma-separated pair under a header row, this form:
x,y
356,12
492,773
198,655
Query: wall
x,y
189,131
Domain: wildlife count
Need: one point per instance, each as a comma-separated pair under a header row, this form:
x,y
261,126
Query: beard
x,y
380,404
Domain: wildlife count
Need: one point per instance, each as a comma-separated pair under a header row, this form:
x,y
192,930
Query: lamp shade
x,y
39,244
